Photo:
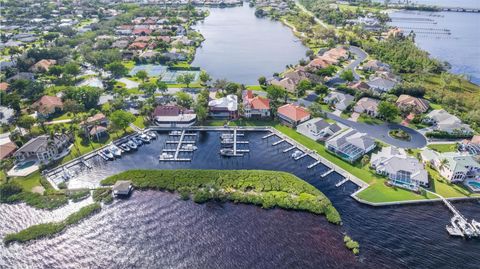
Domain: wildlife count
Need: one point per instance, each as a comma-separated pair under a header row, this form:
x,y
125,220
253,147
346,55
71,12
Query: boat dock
x,y
179,148
289,149
278,142
341,182
301,156
86,164
327,173
268,135
314,164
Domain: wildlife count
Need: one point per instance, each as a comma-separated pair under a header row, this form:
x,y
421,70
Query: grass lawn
x,y
378,191
435,106
369,120
255,88
192,85
140,122
29,182
129,64
182,64
443,147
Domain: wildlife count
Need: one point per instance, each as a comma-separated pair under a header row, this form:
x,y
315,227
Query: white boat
x,y
115,150
124,147
229,153
189,147
131,144
137,141
107,153
227,141
226,136
151,134
145,138
176,133
297,154
476,226
165,156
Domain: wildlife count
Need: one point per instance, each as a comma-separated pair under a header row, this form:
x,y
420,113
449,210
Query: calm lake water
x,y
447,36
241,47
158,230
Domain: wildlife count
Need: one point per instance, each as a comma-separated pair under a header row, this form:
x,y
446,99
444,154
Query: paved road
x,y
380,132
360,57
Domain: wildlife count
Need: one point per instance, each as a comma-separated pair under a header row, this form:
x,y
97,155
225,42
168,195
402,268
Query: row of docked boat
x,y
113,151
460,227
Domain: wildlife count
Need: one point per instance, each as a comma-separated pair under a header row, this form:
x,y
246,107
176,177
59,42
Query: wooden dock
x,y
341,182
183,142
301,156
289,149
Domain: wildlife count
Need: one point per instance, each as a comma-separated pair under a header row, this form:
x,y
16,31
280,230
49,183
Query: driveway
x,y
360,56
380,132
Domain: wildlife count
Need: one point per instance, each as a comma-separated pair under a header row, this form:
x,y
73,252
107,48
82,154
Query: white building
x,y
454,166
317,129
402,170
340,100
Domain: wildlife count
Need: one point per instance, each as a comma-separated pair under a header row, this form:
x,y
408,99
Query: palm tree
x,y
443,164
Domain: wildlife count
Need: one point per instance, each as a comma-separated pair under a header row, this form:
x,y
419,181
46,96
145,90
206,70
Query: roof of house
x,y
419,103
138,45
352,137
382,83
340,97
228,102
6,145
360,85
44,64
122,186
287,83
97,129
367,103
293,112
97,117
170,110
4,86
41,143
376,65
256,102
47,104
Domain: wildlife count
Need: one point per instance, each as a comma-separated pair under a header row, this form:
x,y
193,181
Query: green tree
x,y
162,86
71,68
117,69
26,122
142,74
148,88
302,87
262,81
184,99
387,111
204,77
186,79
347,75
121,119
85,95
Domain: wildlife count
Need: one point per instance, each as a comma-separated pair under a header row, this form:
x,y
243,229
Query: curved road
x,y
380,132
360,57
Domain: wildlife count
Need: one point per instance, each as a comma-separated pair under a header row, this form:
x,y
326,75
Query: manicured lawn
x,y
129,64
369,120
443,147
140,122
442,187
29,182
192,85
182,64
255,88
435,106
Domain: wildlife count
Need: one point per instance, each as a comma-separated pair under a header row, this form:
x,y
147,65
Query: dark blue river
x,y
158,230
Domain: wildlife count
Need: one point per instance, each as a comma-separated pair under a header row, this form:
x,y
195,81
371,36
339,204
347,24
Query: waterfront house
x,y
317,129
350,144
409,103
48,105
368,106
173,116
402,170
7,147
446,122
224,108
255,106
120,44
454,166
43,65
43,148
339,100
286,83
292,115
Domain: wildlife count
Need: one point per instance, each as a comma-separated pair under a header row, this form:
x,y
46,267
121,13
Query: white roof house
x,y
340,100
350,144
444,121
225,107
382,84
454,166
402,170
317,129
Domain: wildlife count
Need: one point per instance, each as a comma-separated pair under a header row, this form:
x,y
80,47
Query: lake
x,y
159,230
240,47
447,36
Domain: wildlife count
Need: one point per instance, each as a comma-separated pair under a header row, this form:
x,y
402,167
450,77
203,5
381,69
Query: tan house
x,y
287,83
47,105
43,65
417,105
368,106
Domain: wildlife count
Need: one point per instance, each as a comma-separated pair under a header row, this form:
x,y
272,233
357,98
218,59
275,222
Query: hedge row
x,y
265,188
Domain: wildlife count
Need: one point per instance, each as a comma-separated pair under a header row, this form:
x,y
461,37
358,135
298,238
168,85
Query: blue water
x,y
158,230
240,47
460,48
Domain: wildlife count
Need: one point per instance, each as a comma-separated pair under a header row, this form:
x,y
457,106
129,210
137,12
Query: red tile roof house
x,y
137,46
47,105
255,106
142,31
7,147
4,86
42,65
292,115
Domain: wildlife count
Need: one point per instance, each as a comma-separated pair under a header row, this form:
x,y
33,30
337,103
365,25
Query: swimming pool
x,y
473,185
24,165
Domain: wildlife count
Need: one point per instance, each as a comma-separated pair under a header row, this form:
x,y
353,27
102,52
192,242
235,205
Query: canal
x,y
157,229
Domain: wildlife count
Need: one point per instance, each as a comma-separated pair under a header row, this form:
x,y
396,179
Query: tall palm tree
x,y
443,164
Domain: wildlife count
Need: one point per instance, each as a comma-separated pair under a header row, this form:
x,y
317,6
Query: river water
x,y
158,230
448,36
240,47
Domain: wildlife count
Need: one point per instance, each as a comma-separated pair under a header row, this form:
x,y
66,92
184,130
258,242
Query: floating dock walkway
x,y
178,149
340,183
278,142
314,164
268,135
289,149
328,173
